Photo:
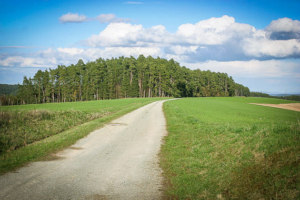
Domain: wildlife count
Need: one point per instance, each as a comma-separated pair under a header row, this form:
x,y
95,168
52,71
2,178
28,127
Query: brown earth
x,y
288,106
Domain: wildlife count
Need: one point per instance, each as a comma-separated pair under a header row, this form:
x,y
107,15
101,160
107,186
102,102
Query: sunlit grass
x,y
226,148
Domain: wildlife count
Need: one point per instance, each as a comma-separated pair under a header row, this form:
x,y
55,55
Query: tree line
x,y
286,97
125,77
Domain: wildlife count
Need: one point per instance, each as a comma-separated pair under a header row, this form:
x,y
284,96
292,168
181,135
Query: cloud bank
x,y
66,56
220,39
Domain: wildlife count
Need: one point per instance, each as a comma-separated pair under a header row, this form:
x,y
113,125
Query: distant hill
x,y
6,89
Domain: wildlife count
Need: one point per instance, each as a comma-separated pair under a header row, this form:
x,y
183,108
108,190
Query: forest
x,y
123,77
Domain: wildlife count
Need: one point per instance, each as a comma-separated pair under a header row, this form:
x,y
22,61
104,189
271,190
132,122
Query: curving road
x,y
118,161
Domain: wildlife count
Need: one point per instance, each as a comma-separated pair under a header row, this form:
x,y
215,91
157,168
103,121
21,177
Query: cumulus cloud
x,y
72,18
220,39
283,29
207,32
116,34
129,35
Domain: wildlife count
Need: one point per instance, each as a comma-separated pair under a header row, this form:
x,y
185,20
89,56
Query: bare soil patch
x,y
288,106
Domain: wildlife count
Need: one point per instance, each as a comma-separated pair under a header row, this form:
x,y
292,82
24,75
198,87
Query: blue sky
x,y
255,42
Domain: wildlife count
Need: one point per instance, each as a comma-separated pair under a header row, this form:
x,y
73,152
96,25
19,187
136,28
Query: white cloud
x,y
110,18
219,39
273,48
283,29
126,35
179,50
27,62
214,31
72,18
206,32
116,34
284,25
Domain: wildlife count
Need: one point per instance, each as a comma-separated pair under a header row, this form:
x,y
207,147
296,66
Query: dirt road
x,y
118,161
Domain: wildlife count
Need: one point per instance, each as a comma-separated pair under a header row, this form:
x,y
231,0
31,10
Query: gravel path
x,y
118,161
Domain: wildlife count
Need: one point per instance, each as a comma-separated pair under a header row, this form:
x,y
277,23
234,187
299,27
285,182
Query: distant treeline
x,y
6,89
259,94
124,78
290,97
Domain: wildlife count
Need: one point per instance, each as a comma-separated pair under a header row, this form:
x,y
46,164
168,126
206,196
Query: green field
x,y
226,148
33,132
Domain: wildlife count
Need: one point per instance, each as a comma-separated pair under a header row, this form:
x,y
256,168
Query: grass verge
x,y
44,149
226,148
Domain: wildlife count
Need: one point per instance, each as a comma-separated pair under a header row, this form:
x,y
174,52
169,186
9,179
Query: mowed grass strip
x,y
33,132
226,148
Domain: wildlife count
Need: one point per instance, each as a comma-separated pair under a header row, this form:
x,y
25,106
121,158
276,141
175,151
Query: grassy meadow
x,y
226,148
33,132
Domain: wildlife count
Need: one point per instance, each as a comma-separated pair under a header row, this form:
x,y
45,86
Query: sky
x,y
256,42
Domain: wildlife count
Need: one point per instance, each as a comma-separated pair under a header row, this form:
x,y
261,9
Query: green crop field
x,y
32,132
226,148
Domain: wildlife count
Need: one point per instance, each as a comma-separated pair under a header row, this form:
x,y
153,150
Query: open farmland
x,y
227,148
56,126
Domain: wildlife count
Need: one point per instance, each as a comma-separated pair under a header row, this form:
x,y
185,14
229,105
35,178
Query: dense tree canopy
x,y
125,78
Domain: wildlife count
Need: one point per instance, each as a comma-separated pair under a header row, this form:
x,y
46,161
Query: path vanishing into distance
x,y
118,161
